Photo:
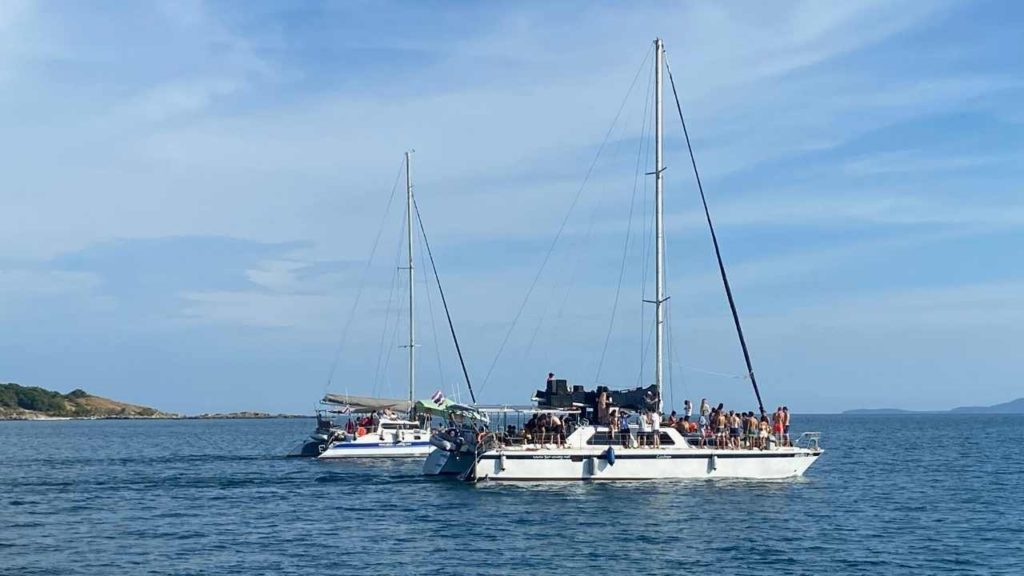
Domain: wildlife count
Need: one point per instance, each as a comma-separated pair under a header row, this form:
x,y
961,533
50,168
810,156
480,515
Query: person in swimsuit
x,y
722,431
752,424
734,430
763,431
777,425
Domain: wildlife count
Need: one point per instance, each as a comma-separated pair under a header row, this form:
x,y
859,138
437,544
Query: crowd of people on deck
x,y
719,428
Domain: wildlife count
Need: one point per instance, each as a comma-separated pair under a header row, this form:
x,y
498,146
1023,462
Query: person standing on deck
x,y
705,408
643,422
655,428
624,428
786,441
687,410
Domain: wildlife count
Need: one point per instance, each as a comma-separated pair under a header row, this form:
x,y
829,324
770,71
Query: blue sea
x,y
922,494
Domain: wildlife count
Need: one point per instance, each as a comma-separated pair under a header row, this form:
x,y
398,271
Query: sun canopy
x,y
447,407
367,403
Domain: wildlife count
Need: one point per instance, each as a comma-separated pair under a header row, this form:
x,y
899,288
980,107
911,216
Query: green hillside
x,y
17,401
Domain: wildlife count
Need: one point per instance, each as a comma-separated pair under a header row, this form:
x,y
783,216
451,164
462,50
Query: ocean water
x,y
928,494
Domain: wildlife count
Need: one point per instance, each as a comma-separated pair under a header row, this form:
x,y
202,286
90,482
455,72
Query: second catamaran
x,y
390,428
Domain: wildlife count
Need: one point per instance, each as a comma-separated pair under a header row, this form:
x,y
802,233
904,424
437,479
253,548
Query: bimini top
x,y
446,407
367,403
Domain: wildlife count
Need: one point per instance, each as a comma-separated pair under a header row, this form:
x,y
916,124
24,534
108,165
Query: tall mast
x,y
659,227
412,300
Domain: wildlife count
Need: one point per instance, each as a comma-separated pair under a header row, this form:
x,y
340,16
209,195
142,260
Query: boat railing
x,y
809,440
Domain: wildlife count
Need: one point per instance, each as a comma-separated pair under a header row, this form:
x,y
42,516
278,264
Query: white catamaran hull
x,y
644,465
392,439
541,465
376,450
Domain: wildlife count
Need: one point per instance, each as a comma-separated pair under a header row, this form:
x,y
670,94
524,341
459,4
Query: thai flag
x,y
438,397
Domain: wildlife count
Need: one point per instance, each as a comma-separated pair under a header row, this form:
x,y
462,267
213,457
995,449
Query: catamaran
x,y
602,449
383,427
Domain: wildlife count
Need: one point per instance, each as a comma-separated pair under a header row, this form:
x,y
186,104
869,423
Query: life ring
x,y
360,432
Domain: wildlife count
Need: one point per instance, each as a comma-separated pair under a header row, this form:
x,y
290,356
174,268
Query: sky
x,y
191,193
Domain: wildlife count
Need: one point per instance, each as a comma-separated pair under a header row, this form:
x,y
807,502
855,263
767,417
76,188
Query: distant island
x,y
33,403
1011,407
19,402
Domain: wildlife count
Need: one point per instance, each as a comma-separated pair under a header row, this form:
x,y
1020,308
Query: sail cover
x,y
367,403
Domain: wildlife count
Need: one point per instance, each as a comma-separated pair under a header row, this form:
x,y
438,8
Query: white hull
x,y
638,464
376,450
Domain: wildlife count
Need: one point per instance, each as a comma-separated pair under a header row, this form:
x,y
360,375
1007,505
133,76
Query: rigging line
x,y
362,282
381,366
571,285
565,220
647,349
625,245
714,240
444,301
577,265
433,323
647,233
554,297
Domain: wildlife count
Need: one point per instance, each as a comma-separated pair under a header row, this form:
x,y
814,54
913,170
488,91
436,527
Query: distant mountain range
x,y
1011,407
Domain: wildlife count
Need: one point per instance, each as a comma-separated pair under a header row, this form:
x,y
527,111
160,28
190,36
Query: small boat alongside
x,y
375,430
383,427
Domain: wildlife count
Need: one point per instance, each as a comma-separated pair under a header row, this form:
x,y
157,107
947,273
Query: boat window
x,y
399,426
602,439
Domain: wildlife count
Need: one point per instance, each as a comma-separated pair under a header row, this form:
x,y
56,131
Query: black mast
x,y
714,240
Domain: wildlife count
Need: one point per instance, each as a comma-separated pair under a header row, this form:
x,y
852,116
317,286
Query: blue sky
x,y
191,190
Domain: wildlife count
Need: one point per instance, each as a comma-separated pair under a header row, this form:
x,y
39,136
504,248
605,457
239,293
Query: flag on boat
x,y
438,397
